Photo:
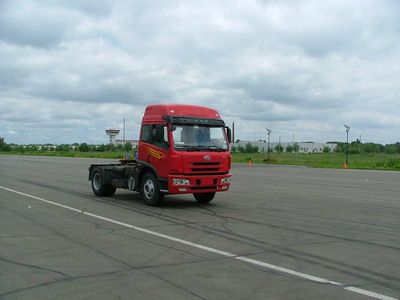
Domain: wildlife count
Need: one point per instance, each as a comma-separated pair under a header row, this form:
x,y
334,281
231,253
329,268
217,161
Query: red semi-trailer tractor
x,y
183,149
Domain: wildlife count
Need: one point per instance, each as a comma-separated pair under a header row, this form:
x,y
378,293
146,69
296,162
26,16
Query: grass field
x,y
377,161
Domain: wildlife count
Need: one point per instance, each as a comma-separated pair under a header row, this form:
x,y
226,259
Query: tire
x,y
204,197
99,188
150,190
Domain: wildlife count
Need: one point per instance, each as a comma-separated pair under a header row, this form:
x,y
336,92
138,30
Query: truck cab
x,y
183,149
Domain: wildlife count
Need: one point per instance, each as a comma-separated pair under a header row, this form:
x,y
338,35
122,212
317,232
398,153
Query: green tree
x,y
326,149
391,149
19,148
372,148
110,147
63,148
279,148
32,148
83,147
341,147
3,145
248,148
354,148
289,149
296,147
128,147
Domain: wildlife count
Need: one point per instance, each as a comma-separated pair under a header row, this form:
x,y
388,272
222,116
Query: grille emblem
x,y
206,157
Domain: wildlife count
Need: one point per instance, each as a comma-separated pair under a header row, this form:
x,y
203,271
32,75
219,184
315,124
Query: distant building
x,y
304,147
134,143
112,134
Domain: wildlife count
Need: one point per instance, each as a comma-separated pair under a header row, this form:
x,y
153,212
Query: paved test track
x,y
340,225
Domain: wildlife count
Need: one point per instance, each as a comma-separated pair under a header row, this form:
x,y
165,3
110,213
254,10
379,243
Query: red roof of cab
x,y
157,111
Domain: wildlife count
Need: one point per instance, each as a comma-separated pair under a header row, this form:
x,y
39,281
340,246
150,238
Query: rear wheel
x,y
204,197
151,190
99,188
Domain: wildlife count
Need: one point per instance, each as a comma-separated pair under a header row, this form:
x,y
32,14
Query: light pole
x,y
124,132
280,147
269,133
347,144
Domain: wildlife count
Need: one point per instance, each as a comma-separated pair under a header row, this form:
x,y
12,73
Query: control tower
x,y
112,133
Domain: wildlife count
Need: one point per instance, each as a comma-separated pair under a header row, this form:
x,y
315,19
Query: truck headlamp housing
x,y
180,181
226,180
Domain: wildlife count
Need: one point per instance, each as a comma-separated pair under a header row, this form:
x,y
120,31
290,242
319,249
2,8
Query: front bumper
x,y
199,184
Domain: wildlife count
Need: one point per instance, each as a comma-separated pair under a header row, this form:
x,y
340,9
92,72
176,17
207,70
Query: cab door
x,y
155,148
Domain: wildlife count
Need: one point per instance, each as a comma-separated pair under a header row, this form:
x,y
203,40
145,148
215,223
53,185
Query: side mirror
x,y
229,134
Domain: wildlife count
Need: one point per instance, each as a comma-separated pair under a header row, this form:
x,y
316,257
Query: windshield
x,y
197,138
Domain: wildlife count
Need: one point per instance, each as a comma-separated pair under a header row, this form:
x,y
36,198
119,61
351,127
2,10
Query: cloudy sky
x,y
69,69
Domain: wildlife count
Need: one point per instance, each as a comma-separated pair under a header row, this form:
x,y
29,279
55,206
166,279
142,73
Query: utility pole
x,y
269,133
279,148
347,145
233,132
124,133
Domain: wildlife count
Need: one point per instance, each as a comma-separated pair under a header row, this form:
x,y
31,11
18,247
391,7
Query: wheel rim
x,y
148,188
96,181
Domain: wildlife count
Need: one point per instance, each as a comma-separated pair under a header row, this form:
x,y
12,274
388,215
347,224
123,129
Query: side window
x,y
146,133
160,136
156,135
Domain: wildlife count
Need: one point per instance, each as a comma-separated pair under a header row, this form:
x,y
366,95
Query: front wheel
x,y
151,190
99,188
204,197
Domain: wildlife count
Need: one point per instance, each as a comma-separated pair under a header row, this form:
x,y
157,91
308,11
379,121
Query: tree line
x,y
357,147
354,148
82,147
249,148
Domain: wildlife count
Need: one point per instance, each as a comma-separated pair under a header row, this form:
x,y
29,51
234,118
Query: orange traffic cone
x,y
250,163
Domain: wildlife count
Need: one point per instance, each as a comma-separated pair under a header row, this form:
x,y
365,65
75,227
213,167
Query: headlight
x,y
180,181
225,180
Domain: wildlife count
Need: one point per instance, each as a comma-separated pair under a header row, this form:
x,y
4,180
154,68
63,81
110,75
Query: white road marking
x,y
213,250
368,293
288,271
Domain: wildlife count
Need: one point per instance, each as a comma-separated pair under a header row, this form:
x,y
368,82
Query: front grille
x,y
205,164
205,167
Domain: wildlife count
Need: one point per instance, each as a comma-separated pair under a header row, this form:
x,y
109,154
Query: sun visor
x,y
194,121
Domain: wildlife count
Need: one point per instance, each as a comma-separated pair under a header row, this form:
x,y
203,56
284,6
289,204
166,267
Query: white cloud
x,y
71,69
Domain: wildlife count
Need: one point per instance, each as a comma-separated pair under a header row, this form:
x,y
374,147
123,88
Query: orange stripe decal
x,y
155,153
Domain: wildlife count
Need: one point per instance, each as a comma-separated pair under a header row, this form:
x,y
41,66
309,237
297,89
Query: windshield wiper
x,y
189,148
201,148
214,148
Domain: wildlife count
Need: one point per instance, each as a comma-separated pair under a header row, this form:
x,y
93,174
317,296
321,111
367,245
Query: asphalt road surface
x,y
279,233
